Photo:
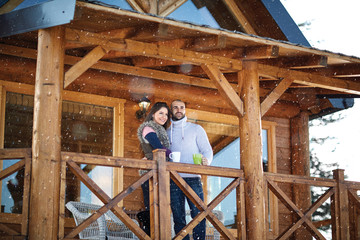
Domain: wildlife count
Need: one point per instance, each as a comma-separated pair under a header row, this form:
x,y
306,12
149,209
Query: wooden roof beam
x,y
116,54
208,43
177,43
138,6
148,32
161,8
135,71
84,64
307,99
249,53
224,87
301,62
274,95
312,80
118,68
113,34
315,61
261,52
152,62
340,71
240,17
168,6
180,55
120,33
154,50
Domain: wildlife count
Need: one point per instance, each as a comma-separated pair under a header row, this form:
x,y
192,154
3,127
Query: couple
x,y
181,136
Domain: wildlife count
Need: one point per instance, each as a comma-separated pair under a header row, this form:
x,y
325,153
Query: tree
x,y
320,169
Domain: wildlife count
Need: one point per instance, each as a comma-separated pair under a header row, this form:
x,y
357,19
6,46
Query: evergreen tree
x,y
320,169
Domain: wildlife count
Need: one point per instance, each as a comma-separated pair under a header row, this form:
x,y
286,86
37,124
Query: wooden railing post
x,y
340,207
164,196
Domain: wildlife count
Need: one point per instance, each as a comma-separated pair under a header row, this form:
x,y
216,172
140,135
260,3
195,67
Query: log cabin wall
x,y
132,150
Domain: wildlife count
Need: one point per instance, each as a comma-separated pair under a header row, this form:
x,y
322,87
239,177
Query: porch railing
x,y
345,204
159,173
23,164
345,201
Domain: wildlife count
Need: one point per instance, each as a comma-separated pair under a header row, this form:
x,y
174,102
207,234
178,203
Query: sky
x,y
334,23
334,27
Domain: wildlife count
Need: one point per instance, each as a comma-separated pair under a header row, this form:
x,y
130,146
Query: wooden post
x,y
251,152
300,163
164,195
340,208
46,143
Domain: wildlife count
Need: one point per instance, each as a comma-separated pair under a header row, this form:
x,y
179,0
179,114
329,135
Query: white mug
x,y
175,156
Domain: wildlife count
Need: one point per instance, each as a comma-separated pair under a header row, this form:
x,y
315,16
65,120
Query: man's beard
x,y
174,118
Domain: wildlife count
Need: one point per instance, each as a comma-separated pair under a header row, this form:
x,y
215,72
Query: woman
x,y
152,135
152,132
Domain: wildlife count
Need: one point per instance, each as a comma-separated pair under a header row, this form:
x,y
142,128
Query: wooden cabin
x,y
69,114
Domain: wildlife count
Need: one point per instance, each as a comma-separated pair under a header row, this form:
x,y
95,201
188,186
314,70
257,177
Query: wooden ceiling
x,y
125,54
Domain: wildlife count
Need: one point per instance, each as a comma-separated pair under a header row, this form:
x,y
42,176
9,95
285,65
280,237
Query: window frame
x,y
272,201
117,104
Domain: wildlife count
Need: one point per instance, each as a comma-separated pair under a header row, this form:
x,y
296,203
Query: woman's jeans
x,y
144,216
178,207
145,190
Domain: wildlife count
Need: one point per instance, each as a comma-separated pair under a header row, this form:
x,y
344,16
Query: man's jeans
x,y
178,207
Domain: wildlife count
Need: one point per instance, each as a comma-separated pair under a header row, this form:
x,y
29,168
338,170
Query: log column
x,y
300,165
45,172
251,151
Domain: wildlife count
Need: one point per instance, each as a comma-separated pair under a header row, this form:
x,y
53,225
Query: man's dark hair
x,y
177,100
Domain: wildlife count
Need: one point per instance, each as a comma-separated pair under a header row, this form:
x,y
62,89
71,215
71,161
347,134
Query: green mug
x,y
197,157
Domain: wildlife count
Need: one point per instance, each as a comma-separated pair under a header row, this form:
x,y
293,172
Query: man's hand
x,y
204,161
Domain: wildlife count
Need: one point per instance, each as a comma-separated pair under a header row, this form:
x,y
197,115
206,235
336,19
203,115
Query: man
x,y
187,138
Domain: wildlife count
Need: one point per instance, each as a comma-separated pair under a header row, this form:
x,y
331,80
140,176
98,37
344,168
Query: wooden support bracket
x,y
224,87
275,94
84,64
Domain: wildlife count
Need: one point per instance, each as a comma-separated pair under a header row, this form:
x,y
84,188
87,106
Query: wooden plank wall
x,y
283,155
132,150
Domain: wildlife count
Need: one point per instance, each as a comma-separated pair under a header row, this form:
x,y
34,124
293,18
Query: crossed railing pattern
x,y
338,191
344,198
24,157
158,175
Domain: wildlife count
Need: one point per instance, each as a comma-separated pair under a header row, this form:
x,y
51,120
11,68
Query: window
x,y
230,157
86,128
223,133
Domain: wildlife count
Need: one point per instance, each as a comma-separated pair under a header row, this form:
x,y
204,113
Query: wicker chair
x,y
108,226
211,232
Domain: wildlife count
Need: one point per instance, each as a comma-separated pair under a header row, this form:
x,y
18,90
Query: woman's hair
x,y
156,107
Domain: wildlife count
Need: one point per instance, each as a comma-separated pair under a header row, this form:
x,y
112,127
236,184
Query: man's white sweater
x,y
189,138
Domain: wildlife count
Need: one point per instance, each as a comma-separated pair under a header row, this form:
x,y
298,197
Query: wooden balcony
x,y
345,202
